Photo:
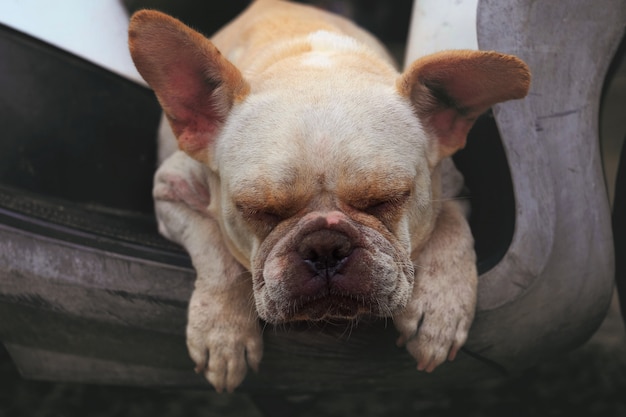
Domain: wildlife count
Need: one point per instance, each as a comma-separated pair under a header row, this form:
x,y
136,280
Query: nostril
x,y
310,255
342,251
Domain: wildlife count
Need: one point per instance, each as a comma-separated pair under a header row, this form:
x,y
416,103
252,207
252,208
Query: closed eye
x,y
381,206
255,214
261,220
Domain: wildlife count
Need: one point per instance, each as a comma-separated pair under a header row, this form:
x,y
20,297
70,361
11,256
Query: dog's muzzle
x,y
325,268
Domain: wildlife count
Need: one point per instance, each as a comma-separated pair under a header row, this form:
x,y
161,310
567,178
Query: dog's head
x,y
324,169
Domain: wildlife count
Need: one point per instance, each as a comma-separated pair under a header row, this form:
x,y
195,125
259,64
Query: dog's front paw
x,y
435,323
222,341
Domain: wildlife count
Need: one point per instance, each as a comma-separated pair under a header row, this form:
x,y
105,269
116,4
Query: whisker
x,y
422,267
458,198
265,324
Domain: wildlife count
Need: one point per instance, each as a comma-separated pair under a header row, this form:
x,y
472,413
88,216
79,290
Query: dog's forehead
x,y
322,119
281,138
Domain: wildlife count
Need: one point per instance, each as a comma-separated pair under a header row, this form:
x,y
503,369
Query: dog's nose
x,y
325,251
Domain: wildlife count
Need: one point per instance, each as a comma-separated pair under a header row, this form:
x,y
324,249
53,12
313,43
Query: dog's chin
x,y
330,307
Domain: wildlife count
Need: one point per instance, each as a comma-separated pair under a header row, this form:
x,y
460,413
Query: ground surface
x,y
590,381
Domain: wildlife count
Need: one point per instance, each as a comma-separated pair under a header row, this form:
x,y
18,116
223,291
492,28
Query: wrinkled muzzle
x,y
328,266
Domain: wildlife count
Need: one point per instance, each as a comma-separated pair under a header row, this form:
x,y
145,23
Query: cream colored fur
x,y
297,132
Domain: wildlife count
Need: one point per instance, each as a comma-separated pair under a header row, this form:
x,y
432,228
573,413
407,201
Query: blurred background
x,y
589,381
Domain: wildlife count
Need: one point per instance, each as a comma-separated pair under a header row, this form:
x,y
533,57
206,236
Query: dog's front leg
x,y
223,334
436,321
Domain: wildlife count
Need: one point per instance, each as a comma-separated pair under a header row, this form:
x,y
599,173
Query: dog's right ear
x,y
450,89
194,83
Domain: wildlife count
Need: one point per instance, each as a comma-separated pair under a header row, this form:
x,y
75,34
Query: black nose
x,y
325,251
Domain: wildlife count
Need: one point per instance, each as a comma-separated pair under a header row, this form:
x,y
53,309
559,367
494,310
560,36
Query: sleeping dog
x,y
312,181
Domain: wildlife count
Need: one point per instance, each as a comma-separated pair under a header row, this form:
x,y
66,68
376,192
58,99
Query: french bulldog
x,y
312,180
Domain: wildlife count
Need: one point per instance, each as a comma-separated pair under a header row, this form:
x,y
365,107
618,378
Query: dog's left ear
x,y
194,83
450,89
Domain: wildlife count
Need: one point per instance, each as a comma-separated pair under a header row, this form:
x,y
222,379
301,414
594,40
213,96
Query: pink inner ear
x,y
194,83
192,107
451,128
450,89
195,135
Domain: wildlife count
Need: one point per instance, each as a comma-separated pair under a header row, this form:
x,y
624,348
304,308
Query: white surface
x,y
95,30
437,25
